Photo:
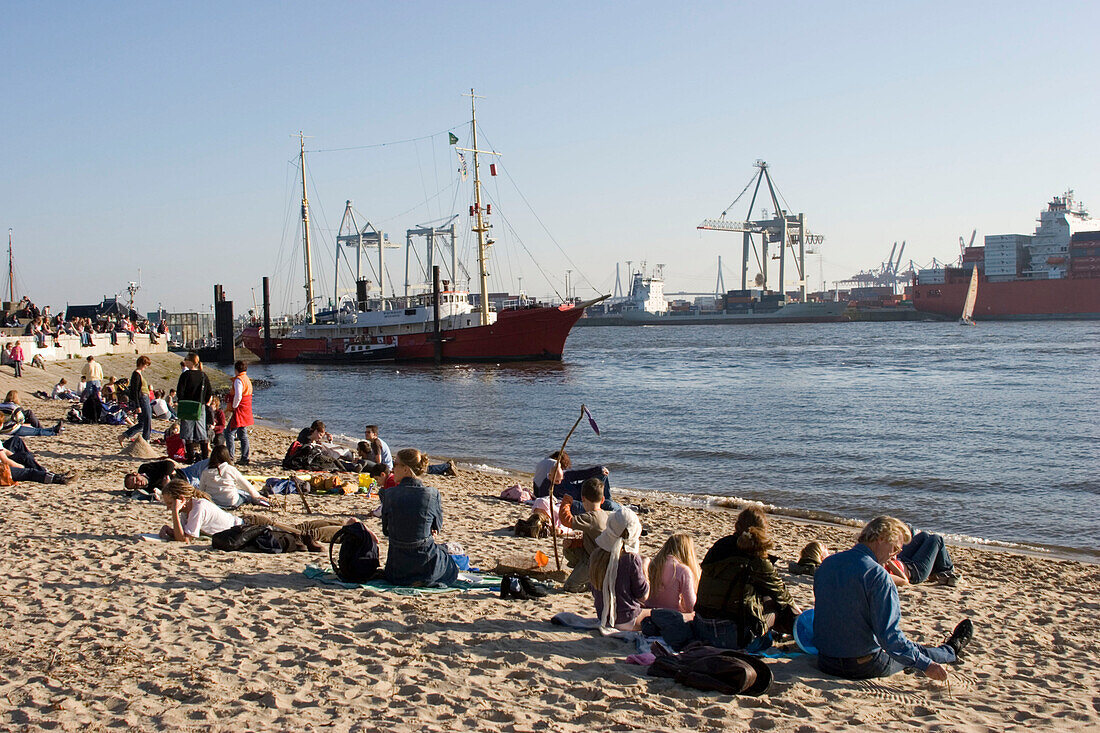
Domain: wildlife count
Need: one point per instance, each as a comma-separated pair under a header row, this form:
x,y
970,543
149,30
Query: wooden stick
x,y
553,475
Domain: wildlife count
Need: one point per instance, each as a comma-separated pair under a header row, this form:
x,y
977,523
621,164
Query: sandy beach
x,y
105,631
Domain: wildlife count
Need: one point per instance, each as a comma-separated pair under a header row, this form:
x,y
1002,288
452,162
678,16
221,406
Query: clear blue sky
x,y
157,136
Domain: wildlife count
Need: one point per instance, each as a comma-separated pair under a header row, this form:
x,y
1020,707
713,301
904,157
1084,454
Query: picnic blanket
x,y
467,581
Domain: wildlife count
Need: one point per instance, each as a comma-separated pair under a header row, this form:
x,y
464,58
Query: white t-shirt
x,y
224,485
159,408
206,518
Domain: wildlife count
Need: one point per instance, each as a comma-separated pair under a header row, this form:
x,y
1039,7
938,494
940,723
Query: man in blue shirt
x,y
380,449
857,612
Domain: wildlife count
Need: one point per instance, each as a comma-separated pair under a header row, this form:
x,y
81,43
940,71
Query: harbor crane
x,y
887,275
788,230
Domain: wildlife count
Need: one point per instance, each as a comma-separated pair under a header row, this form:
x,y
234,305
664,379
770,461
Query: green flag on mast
x,y
453,138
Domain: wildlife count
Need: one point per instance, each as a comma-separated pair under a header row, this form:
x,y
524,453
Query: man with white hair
x,y
857,613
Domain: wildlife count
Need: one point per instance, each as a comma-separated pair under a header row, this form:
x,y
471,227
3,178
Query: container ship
x,y
443,325
1051,274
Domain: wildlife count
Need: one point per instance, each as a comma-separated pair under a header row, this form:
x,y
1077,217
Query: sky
x,y
156,142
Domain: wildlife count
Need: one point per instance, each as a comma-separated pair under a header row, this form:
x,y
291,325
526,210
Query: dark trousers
x,y
878,664
22,455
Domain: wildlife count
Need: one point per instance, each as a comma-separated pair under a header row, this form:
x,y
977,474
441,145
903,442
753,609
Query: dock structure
x,y
785,229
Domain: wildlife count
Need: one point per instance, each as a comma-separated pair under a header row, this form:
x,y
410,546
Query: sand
x,y
104,631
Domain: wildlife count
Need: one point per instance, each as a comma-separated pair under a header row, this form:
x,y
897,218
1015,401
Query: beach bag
x,y
712,669
5,475
353,553
516,493
257,538
190,410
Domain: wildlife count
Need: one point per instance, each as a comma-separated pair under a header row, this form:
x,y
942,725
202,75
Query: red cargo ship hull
x,y
531,334
1067,298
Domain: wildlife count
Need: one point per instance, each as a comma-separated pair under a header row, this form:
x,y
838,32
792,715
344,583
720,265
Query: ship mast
x,y
481,226
310,312
11,271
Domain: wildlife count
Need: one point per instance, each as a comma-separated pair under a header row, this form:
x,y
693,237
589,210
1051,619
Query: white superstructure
x,y
1048,250
648,294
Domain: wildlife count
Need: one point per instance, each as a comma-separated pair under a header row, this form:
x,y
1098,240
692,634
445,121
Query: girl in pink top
x,y
674,575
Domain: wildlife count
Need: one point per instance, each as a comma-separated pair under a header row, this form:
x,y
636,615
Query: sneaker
x,y
244,462
946,577
961,636
533,589
451,469
511,588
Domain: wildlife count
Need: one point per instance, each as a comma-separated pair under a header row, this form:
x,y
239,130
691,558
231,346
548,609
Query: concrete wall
x,y
70,347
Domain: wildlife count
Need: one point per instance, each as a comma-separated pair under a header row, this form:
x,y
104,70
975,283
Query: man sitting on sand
x,y
590,525
857,612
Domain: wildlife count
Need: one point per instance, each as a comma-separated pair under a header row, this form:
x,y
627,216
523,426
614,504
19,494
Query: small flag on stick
x,y
453,138
591,420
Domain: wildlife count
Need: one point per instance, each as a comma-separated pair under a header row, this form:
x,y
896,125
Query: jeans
x,y
439,469
925,554
29,431
18,368
236,434
193,473
35,475
678,632
144,419
89,386
878,664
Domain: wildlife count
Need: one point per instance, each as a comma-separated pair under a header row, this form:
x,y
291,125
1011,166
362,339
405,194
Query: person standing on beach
x,y
17,359
857,614
138,394
242,413
92,373
194,393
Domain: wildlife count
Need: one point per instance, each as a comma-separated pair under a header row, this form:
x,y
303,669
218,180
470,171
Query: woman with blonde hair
x,y
412,516
674,575
191,513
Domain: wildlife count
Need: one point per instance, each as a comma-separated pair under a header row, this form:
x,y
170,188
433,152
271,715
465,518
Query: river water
x,y
986,433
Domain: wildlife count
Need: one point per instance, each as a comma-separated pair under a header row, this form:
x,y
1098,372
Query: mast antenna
x,y
11,271
480,225
311,314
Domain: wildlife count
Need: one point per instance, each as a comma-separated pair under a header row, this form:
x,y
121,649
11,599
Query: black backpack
x,y
357,559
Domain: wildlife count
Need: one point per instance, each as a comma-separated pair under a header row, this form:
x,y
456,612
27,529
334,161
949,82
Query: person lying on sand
x,y
923,558
155,475
857,613
569,480
21,462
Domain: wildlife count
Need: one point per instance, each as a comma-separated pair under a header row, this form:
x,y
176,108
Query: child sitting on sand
x,y
174,444
619,586
589,526
674,575
61,391
225,484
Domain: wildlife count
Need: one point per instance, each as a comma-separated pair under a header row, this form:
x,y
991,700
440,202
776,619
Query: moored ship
x,y
1053,273
441,325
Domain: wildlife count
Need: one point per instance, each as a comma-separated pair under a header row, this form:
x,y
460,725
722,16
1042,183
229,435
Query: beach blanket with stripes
x,y
466,581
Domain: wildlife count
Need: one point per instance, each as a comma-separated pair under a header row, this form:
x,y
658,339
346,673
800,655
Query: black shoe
x,y
511,588
961,636
533,589
946,577
244,462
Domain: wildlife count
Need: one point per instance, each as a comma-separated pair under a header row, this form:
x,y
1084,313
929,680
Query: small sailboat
x,y
967,318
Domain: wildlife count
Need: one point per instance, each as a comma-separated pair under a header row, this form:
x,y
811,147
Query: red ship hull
x,y
532,334
1068,298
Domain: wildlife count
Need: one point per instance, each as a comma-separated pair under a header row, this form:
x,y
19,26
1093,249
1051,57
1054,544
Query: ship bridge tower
x,y
784,229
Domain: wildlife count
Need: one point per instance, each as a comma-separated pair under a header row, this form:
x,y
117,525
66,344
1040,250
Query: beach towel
x,y
576,621
467,581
